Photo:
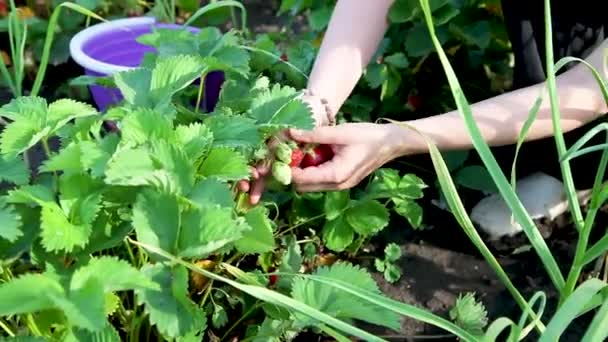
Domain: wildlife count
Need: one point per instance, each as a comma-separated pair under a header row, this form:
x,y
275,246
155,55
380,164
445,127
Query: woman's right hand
x,y
261,171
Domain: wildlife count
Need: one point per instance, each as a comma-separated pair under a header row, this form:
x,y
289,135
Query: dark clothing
x,y
578,28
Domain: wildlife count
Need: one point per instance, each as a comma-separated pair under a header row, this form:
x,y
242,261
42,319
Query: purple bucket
x,y
111,47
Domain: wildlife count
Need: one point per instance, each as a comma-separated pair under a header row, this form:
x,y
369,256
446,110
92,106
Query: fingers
x,y
333,135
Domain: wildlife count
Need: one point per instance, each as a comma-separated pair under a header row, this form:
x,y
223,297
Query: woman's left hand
x,y
359,149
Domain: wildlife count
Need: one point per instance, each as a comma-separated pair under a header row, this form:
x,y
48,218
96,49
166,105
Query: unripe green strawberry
x,y
283,153
261,153
281,172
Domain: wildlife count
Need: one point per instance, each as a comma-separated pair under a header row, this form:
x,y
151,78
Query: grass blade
x,y
595,251
570,309
48,41
457,208
269,296
598,329
219,4
504,187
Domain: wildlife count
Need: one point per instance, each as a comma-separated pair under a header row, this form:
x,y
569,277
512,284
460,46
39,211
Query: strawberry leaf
x,y
225,164
211,192
337,234
279,108
233,131
335,203
367,217
156,219
259,239
68,160
107,334
29,293
14,170
340,304
145,125
196,139
34,122
169,307
207,230
10,222
58,233
130,166
114,274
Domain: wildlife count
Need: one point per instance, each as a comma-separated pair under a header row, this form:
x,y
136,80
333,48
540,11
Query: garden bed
x,y
438,260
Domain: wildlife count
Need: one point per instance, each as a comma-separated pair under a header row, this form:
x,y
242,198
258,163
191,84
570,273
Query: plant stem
x,y
6,328
207,292
31,324
300,224
201,88
245,315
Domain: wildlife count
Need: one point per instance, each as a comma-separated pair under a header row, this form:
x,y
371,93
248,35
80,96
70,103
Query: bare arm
x,y
352,37
501,118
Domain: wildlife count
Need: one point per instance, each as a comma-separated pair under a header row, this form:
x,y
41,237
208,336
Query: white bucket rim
x,y
89,63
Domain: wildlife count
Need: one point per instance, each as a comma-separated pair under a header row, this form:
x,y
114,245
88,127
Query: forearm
x,y
352,37
501,118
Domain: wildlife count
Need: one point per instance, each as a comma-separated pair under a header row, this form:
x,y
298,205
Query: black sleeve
x,y
577,30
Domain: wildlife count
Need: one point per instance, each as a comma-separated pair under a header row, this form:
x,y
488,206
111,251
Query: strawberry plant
x,y
84,231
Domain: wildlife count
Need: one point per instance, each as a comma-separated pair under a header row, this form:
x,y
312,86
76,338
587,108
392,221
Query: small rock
x,y
543,196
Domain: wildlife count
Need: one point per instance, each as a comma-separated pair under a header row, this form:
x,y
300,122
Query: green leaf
x,y
156,219
134,86
95,156
379,264
114,274
341,304
392,273
210,191
398,60
14,170
367,217
169,307
219,318
225,164
107,334
10,223
259,239
319,18
173,169
68,159
24,106
444,14
418,41
195,138
230,58
174,73
376,74
337,234
278,108
392,252
403,11
335,203
58,233
208,229
145,125
233,131
475,177
412,211
63,111
478,33
29,293
22,134
130,166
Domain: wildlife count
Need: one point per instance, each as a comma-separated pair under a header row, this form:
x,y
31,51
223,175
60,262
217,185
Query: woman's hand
x,y
260,172
359,149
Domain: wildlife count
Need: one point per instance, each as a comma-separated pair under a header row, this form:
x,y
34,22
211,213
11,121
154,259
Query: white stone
x,y
543,196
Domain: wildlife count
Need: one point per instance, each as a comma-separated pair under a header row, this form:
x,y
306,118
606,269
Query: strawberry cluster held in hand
x,y
289,154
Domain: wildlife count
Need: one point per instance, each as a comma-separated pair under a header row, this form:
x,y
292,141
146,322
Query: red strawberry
x,y
414,102
284,57
273,279
319,155
296,157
